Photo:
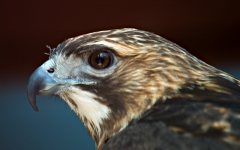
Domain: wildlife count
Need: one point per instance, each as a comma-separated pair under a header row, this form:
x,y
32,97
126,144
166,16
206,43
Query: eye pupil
x,y
100,59
51,70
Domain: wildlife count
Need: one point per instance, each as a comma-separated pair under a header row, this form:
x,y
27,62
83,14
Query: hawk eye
x,y
100,59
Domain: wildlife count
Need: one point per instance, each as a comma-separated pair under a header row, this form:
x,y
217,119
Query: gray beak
x,y
40,83
43,82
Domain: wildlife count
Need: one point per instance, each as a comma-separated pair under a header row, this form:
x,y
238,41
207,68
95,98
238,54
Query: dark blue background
x,y
55,126
208,29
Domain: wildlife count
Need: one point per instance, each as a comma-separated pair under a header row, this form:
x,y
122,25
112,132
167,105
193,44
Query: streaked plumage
x,y
153,94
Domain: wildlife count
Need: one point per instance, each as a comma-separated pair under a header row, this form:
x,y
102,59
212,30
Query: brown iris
x,y
100,59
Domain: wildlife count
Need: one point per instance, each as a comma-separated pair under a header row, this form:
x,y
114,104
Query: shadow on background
x,y
208,29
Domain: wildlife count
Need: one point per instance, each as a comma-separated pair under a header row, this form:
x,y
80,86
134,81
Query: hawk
x,y
136,90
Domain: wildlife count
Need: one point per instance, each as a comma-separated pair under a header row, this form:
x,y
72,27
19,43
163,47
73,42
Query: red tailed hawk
x,y
136,90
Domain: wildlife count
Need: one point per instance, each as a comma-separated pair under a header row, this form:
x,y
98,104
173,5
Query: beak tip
x,y
35,107
33,102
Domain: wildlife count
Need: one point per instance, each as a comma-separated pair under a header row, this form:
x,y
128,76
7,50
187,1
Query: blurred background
x,y
209,30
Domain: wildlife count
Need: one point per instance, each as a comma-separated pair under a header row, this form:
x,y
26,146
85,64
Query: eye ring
x,y
51,70
100,59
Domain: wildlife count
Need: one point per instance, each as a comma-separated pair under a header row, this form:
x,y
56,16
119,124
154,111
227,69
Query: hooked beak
x,y
40,83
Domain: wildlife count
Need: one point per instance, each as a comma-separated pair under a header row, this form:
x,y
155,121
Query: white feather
x,y
87,106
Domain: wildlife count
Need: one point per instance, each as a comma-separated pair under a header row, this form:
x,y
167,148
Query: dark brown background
x,y
208,29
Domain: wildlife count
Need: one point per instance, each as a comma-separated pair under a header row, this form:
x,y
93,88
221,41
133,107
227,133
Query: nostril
x,y
51,70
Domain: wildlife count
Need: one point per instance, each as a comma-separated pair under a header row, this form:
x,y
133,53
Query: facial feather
x,y
86,106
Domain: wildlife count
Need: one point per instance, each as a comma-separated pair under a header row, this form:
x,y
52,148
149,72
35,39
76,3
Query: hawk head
x,y
109,78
